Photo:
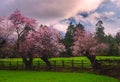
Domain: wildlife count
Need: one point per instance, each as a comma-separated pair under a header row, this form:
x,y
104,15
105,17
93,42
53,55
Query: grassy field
x,y
34,76
65,58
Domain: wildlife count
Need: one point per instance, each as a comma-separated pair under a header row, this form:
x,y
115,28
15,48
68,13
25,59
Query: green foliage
x,y
117,37
108,39
113,49
80,26
34,76
113,45
68,40
100,35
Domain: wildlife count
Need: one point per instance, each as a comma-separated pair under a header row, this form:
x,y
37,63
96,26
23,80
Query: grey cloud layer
x,y
48,10
39,8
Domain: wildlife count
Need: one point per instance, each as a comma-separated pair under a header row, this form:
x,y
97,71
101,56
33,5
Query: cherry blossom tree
x,y
86,44
5,37
22,26
5,31
7,50
33,42
43,43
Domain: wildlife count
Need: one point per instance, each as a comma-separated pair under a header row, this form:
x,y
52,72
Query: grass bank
x,y
35,76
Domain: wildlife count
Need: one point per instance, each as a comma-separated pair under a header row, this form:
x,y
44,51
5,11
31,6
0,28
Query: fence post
x,y
110,62
118,63
38,64
17,64
72,62
2,64
82,64
54,65
63,64
23,67
10,64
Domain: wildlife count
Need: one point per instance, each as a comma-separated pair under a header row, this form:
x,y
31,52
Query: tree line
x,y
99,34
21,36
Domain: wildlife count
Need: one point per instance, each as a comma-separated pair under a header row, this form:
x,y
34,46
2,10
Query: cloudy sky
x,y
59,13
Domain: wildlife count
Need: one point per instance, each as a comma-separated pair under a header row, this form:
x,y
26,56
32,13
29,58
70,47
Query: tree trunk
x,y
95,64
2,42
28,63
45,59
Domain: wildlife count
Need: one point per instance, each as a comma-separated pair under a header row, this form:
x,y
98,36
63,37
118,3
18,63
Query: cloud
x,y
89,5
49,11
111,13
83,14
59,13
117,2
61,27
107,12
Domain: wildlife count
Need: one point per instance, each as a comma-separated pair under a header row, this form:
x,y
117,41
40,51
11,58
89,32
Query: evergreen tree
x,y
100,35
118,38
109,39
68,40
113,45
80,26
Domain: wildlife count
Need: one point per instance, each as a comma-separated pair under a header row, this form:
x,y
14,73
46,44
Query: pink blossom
x,y
21,21
84,41
44,41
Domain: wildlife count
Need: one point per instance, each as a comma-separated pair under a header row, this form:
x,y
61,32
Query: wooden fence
x,y
57,65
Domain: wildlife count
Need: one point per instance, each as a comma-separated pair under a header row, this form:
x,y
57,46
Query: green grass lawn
x,y
34,76
65,58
